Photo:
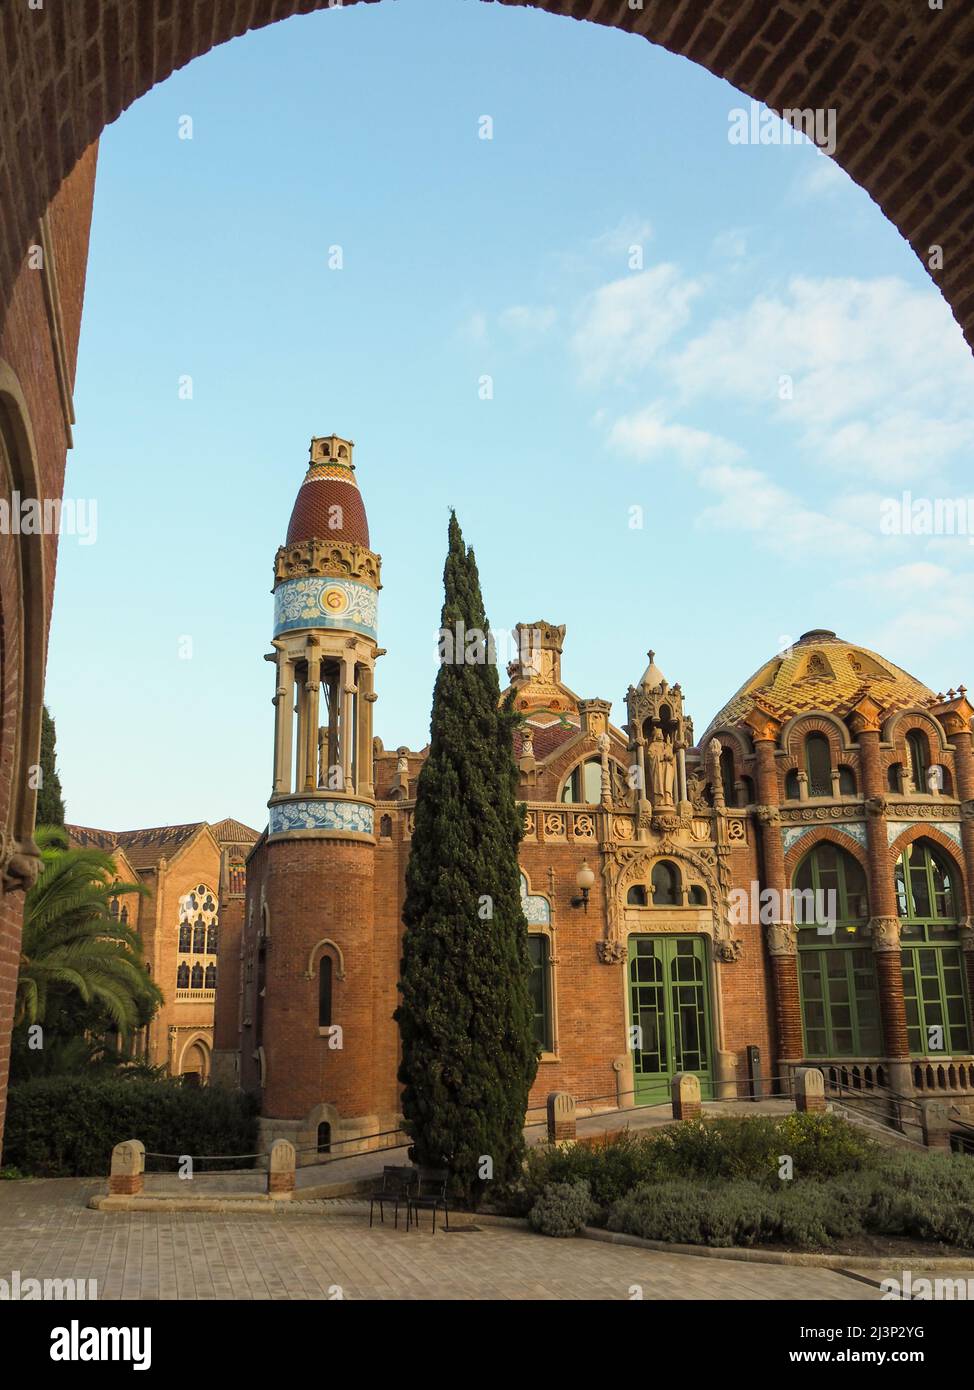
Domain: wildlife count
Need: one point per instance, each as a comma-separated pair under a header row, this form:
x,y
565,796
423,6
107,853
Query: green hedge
x,y
67,1126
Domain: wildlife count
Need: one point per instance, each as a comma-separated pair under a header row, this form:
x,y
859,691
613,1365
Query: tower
x,y
316,879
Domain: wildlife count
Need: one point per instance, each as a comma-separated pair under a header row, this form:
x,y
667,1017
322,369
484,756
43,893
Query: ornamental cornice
x,y
339,559
812,815
937,808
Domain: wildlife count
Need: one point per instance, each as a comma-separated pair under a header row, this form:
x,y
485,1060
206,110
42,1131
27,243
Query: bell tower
x,y
317,889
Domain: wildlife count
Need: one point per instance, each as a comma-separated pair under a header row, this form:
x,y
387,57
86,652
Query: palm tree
x,y
74,945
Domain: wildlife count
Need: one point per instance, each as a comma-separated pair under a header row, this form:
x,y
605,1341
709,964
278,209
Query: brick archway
x,y
894,70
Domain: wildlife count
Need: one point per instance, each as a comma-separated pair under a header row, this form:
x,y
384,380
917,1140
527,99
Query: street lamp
x,y
583,882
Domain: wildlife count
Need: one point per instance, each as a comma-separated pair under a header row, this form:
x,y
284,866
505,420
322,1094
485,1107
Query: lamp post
x,y
583,882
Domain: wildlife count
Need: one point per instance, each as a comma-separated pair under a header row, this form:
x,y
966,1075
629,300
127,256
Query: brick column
x,y
782,938
884,909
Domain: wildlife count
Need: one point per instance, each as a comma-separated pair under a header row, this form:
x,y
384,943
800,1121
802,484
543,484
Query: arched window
x,y
666,885
199,938
818,765
893,774
324,992
637,897
211,938
916,746
124,917
538,950
847,782
113,908
698,896
937,1008
584,783
792,786
185,937
727,776
196,977
209,977
839,996
182,976
385,828
324,1137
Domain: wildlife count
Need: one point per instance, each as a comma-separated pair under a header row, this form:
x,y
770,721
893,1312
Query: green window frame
x,y
584,783
540,985
934,984
836,974
916,745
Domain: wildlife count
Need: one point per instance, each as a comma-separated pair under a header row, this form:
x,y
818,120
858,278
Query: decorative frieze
x,y
895,828
340,559
321,814
325,603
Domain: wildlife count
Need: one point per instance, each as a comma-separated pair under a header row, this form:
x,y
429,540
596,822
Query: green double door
x,y
669,1013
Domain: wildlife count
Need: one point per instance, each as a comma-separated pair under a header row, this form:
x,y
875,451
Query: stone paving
x,y
319,1250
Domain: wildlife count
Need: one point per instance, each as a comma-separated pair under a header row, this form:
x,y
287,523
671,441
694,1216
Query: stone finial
x,y
127,1170
809,1090
561,1117
280,1169
685,1092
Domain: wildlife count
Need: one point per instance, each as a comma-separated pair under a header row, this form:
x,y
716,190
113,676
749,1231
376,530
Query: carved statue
x,y
662,768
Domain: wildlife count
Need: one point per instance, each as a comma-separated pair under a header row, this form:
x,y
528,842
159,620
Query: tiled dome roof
x,y
329,506
823,672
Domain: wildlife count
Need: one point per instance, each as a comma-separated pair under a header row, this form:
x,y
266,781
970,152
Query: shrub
x,y
68,1126
749,1147
562,1209
735,1213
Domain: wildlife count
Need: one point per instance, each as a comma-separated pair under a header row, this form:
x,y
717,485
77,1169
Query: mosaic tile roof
x,y
328,506
822,672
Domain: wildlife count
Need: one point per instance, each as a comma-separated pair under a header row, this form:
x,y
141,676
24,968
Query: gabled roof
x,y
144,848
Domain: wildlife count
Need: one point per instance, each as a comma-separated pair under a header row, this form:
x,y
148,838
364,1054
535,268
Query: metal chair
x,y
431,1194
397,1186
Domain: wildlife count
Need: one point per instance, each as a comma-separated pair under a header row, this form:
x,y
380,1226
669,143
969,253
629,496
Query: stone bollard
x,y
280,1169
561,1117
936,1124
686,1096
809,1091
128,1167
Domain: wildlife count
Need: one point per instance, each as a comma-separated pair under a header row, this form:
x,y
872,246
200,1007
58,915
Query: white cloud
x,y
646,434
822,179
747,500
624,324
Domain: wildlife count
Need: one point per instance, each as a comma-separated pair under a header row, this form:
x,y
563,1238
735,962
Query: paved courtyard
x,y
325,1249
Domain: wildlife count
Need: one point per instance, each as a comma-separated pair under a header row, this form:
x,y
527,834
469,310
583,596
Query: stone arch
x,y
318,950
914,156
742,745
202,1044
23,641
636,866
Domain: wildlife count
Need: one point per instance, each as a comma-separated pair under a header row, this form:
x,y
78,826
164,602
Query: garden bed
x,y
793,1182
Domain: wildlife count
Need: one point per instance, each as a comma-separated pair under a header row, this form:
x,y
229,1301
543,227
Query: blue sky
x,y
616,386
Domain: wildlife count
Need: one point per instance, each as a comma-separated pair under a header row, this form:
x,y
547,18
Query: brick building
x,y
797,881
188,919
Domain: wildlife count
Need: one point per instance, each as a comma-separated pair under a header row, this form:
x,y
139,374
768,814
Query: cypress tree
x,y
50,803
468,1050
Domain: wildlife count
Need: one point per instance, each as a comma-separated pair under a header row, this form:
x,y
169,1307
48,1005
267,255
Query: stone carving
x,y
341,559
885,932
583,827
612,952
728,951
735,830
768,815
622,828
20,863
554,825
782,939
661,768
877,806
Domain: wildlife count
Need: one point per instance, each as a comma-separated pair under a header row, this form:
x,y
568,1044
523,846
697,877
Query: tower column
x,y
312,689
283,722
300,709
782,938
348,690
366,699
